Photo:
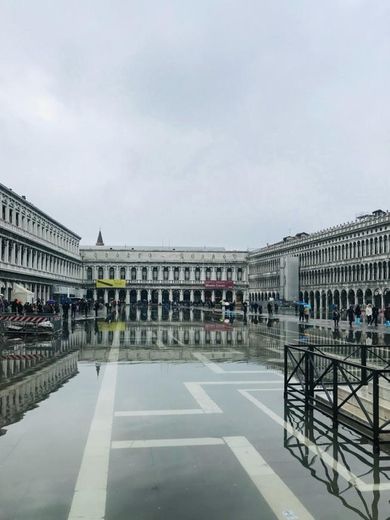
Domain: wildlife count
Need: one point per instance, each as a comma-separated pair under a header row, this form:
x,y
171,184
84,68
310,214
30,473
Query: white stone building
x,y
164,274
36,251
342,265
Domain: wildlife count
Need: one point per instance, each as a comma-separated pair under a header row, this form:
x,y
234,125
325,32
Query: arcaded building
x,y
163,274
36,251
342,265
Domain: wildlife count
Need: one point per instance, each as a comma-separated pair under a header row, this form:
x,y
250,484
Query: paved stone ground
x,y
208,438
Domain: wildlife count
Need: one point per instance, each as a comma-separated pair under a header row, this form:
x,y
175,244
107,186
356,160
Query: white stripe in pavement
x,y
280,498
168,443
345,473
145,413
174,338
89,499
217,369
207,363
202,398
206,404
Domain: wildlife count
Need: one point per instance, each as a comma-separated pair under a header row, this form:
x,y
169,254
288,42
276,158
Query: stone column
x,y
105,295
116,295
181,295
170,295
127,296
192,295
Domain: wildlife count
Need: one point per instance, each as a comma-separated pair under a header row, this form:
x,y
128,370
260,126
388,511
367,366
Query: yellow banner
x,y
114,326
110,284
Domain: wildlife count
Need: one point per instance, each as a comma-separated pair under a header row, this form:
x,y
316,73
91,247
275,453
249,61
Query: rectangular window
x,y
187,274
3,211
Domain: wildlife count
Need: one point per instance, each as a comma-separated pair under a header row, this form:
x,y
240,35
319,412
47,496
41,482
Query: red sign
x,y
217,326
218,284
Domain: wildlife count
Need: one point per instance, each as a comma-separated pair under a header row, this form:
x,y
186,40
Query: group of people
x,y
17,307
258,308
355,315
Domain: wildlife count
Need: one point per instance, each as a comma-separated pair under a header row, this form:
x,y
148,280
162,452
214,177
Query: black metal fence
x,y
348,383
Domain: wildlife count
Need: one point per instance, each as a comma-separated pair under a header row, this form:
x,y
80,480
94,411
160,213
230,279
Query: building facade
x,y
162,275
343,265
36,251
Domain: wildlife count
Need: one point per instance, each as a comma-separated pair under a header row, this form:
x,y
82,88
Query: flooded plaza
x,y
176,414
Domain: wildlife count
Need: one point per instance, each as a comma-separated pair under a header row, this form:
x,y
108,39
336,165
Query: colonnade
x,y
160,273
157,296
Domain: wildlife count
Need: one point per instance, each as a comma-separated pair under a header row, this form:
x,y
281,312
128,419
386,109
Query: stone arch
x,y
368,296
344,299
336,298
144,296
323,305
386,297
378,298
133,296
317,297
359,296
351,297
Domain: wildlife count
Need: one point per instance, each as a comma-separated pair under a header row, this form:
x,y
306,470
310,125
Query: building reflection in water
x,y
29,373
349,450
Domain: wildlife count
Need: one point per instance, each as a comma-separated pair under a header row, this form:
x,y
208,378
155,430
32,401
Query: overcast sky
x,y
196,122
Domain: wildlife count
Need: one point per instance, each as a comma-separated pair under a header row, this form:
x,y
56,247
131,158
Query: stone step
x,y
365,397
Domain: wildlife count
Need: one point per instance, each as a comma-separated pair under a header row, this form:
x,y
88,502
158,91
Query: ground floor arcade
x,y
166,295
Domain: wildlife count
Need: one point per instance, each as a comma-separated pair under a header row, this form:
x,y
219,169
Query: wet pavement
x,y
163,415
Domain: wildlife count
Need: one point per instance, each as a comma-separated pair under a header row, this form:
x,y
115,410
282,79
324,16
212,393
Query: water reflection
x,y
361,494
29,374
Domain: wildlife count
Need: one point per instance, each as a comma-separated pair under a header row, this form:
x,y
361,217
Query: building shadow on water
x,y
362,483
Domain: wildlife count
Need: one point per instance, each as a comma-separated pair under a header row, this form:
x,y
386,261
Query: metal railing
x,y
343,382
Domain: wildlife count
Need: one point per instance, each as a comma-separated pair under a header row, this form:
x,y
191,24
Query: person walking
x,y
269,308
336,317
350,315
387,316
375,315
306,312
369,314
301,313
358,313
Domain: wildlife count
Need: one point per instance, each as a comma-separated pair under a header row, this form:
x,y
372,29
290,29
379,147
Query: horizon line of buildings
x,y
342,265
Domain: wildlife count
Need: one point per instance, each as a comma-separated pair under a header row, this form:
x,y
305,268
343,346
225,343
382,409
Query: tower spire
x,y
99,241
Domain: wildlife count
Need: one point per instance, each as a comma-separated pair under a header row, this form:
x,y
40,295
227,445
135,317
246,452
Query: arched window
x,y
155,274
219,273
187,273
239,274
133,273
144,273
123,273
208,273
229,273
111,273
197,274
165,273
100,273
89,273
176,273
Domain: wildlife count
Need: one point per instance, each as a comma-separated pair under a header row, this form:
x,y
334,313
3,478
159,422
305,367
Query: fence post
x,y
309,375
363,361
285,371
375,410
335,394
